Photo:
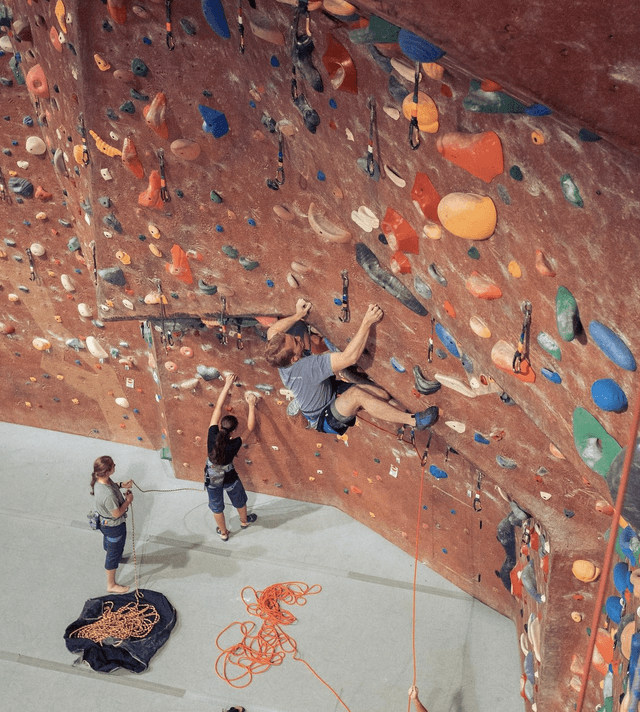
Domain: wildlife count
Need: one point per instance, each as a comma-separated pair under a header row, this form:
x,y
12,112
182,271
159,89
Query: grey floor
x,y
356,633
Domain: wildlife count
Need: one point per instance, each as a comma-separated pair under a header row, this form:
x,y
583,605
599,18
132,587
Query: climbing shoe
x,y
310,116
426,418
302,50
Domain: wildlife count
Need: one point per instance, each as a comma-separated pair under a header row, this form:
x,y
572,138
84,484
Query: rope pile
x,y
134,620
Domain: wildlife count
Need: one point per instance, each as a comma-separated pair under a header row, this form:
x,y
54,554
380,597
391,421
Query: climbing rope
x,y
257,652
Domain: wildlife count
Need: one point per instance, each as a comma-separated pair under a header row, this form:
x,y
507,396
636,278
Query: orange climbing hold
x,y
37,82
433,70
117,11
154,114
490,85
450,309
150,198
42,194
479,154
481,287
427,112
55,39
425,197
130,158
400,235
543,265
502,356
400,264
340,66
467,215
180,265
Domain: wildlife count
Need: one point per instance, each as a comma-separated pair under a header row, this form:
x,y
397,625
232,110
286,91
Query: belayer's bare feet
x,y
117,589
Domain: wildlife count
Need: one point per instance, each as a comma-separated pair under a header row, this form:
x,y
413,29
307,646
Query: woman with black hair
x,y
112,506
219,473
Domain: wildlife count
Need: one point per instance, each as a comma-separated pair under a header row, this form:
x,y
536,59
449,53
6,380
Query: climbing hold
x,y
567,316
400,264
111,221
549,344
154,114
155,250
130,158
435,274
479,327
326,228
180,266
438,473
213,12
85,310
340,67
41,344
123,257
417,48
37,250
378,31
588,136
35,146
397,365
474,253
104,147
543,265
421,287
449,308
516,173
186,149
551,375
570,191
612,346
502,356
139,68
608,395
456,426
479,154
95,349
151,198
427,112
447,340
37,82
467,215
214,122
491,100
425,197
128,107
537,138
506,462
248,263
594,444
371,265
205,288
401,237
479,438
112,275
365,218
585,570
482,287
422,385
21,186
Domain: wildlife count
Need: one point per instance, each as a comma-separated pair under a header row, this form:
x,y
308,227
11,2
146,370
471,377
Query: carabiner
x,y
170,41
371,103
414,131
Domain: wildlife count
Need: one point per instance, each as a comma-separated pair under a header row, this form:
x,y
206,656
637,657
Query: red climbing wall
x,y
504,205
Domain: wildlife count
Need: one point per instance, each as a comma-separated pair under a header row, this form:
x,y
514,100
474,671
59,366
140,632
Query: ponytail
x,y
102,466
227,425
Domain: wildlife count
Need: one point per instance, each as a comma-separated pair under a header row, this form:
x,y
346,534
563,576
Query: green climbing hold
x,y
567,317
594,444
516,173
474,253
230,251
550,345
215,197
570,191
248,264
128,107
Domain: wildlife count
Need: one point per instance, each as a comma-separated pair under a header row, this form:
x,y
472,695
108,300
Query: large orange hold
x,y
154,114
150,198
400,235
427,112
37,82
479,154
468,215
481,287
180,266
426,197
131,159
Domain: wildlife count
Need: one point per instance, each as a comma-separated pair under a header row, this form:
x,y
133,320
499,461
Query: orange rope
x,y
257,652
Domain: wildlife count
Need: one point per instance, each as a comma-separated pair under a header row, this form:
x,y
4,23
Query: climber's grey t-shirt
x,y
108,498
308,378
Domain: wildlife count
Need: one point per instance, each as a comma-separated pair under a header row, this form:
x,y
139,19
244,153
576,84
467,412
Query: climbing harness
x,y
164,193
371,164
345,314
430,349
223,321
170,41
83,136
414,131
240,27
275,183
522,351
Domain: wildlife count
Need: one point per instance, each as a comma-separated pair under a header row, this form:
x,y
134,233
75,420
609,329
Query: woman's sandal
x,y
224,537
250,518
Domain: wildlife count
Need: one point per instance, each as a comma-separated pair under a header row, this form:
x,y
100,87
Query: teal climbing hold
x,y
570,191
139,68
128,107
377,31
588,136
214,14
612,346
608,395
247,263
230,251
567,317
516,173
474,253
215,197
550,345
490,102
595,446
506,462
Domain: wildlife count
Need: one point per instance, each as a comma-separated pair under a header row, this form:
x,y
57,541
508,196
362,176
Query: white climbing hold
x,y
37,250
41,344
105,173
349,135
67,283
127,304
545,495
122,402
394,177
392,112
95,349
85,310
456,425
35,146
23,165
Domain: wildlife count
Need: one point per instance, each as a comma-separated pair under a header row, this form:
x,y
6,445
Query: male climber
x,y
328,404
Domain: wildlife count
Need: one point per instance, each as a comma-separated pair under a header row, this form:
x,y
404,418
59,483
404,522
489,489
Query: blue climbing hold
x,y
215,122
481,439
219,228
550,375
438,473
252,104
417,48
147,40
251,221
214,14
332,104
612,346
614,608
538,110
608,395
275,62
321,176
337,301
397,365
506,462
270,283
447,340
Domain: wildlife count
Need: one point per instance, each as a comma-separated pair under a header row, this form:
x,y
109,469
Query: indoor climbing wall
x,y
170,186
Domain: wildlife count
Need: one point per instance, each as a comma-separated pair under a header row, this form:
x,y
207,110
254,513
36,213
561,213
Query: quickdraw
x,y
166,337
170,41
425,454
164,193
345,315
83,136
239,342
430,349
223,321
240,27
4,194
275,183
32,266
92,245
477,504
414,131
523,349
371,168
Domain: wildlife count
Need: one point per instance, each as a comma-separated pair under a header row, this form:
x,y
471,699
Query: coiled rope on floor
x,y
257,651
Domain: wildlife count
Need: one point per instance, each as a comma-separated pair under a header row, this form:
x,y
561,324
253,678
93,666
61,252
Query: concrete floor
x,y
356,633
